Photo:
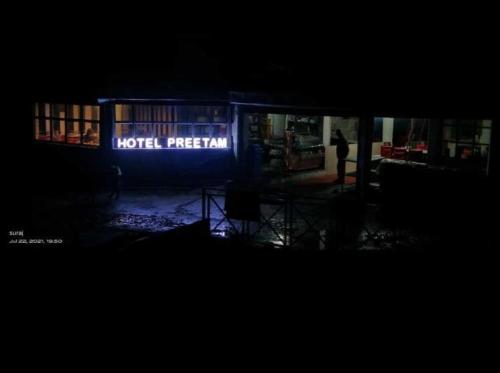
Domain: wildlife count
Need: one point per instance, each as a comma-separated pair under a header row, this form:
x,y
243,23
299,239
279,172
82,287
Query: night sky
x,y
408,57
405,61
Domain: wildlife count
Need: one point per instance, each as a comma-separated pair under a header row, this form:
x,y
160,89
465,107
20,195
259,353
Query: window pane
x,y
47,110
74,111
486,123
466,131
123,113
483,135
162,130
449,134
349,127
182,114
124,130
219,130
200,114
73,132
142,113
91,112
42,129
37,110
202,131
162,113
58,130
192,114
219,114
184,130
59,111
91,133
143,130
307,127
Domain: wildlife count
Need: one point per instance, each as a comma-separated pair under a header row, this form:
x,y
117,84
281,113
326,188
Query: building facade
x,y
183,141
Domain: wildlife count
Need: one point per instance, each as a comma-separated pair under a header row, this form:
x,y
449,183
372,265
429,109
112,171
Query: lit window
x,y
42,125
58,123
91,112
142,113
165,121
124,130
74,112
467,143
91,133
123,113
70,124
219,130
143,130
73,134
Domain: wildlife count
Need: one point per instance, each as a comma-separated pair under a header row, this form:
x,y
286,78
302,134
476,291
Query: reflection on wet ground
x,y
143,223
144,212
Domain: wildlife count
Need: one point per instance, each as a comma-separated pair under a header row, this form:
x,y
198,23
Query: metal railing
x,y
285,220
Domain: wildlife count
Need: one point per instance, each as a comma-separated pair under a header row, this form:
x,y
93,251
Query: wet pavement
x,y
138,213
135,213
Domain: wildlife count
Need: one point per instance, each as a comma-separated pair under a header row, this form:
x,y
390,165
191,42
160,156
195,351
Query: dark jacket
x,y
342,148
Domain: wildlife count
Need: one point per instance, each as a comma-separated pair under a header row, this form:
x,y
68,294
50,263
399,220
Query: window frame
x,y
172,123
457,141
40,114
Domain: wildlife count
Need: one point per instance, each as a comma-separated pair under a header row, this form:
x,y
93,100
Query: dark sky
x,y
424,58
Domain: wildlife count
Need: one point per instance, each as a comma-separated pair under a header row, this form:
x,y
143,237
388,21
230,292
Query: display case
x,y
303,152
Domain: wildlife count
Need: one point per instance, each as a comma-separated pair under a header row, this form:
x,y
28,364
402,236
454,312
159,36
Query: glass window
x,y
202,131
74,111
219,114
143,130
91,133
486,123
170,121
483,136
46,111
123,113
124,130
306,125
42,129
349,127
192,114
466,142
73,133
219,130
162,113
61,123
162,130
59,111
58,130
184,130
200,114
466,131
91,112
449,134
142,113
181,114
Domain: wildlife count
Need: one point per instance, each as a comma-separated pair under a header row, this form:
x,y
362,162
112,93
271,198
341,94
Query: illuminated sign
x,y
170,143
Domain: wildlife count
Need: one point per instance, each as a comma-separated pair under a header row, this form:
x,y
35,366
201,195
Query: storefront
x,y
165,141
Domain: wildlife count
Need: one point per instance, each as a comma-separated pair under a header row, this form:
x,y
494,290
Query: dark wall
x,y
174,167
60,168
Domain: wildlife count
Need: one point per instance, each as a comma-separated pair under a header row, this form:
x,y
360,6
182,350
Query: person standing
x,y
342,152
